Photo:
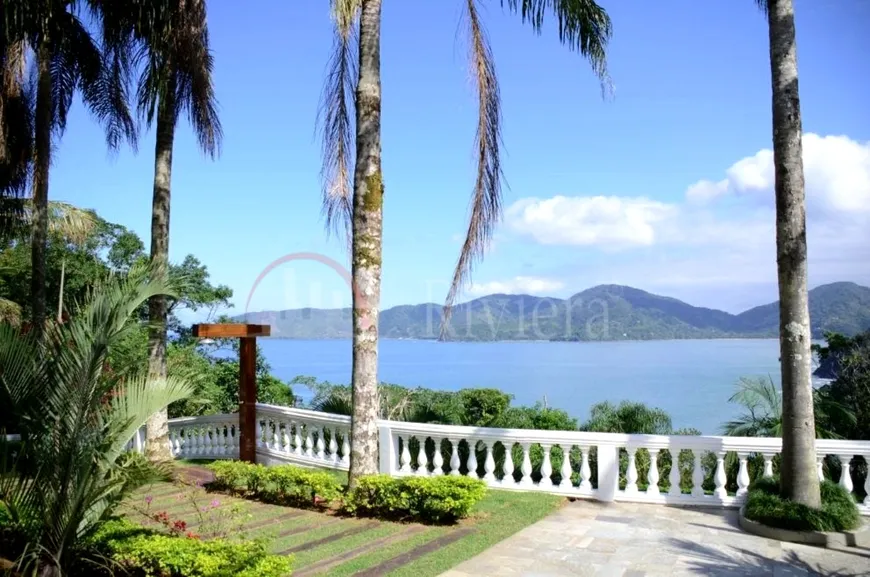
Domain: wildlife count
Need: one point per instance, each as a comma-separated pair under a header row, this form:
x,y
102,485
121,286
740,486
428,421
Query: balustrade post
x,y
674,477
526,467
867,480
437,457
405,457
471,464
768,465
345,449
697,475
546,468
297,438
489,463
631,472
720,478
653,475
743,474
285,437
386,450
309,442
321,446
454,456
608,472
508,467
566,470
585,470
820,467
845,473
333,446
422,459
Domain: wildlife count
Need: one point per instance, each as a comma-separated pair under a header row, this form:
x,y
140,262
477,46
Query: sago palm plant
x,y
74,423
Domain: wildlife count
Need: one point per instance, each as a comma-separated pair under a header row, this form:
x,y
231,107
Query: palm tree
x,y
355,205
68,60
74,422
800,482
177,77
16,137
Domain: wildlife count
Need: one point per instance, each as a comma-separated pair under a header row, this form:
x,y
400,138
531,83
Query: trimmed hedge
x,y
766,505
434,499
283,484
138,552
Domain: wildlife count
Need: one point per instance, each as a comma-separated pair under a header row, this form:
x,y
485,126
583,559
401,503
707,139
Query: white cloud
x,y
836,171
517,285
596,220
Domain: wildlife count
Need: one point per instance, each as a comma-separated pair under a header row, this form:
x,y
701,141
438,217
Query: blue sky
x,y
667,187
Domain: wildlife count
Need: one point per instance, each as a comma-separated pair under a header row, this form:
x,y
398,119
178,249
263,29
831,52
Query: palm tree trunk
x,y
157,437
366,246
798,473
60,293
42,161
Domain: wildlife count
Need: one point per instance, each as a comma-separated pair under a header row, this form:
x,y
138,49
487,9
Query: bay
x,y
690,379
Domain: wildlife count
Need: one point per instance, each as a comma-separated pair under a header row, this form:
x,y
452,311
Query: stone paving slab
x,y
588,538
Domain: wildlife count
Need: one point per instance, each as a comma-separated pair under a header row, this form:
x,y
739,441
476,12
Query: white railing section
x,y
208,437
710,471
304,437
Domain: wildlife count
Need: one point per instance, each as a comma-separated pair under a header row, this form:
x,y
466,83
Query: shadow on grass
x,y
711,561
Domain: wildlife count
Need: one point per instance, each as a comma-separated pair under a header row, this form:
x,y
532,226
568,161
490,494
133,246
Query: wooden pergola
x,y
247,335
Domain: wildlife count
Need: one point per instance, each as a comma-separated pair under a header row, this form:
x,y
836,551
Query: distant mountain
x,y
605,312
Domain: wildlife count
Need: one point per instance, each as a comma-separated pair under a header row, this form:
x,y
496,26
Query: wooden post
x,y
247,335
248,399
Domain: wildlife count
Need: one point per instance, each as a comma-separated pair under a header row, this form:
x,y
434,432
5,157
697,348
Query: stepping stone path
x,y
320,542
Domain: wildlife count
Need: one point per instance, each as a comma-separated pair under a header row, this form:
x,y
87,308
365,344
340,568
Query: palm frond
x,y
335,119
486,197
16,137
71,222
584,27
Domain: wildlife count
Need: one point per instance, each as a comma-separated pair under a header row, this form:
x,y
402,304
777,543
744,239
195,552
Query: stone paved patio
x,y
628,540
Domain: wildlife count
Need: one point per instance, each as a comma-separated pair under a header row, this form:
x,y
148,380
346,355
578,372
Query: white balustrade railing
x,y
303,437
709,471
207,437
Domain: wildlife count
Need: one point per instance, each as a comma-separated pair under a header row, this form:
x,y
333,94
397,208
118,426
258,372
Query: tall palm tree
x,y
356,204
68,59
177,77
16,137
74,423
800,481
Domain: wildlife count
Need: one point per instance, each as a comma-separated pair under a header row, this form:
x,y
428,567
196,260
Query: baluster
x,y
566,470
200,441
345,447
321,445
259,433
820,467
333,445
454,457
472,458
405,456
437,458
742,474
220,449
207,433
631,472
297,438
585,470
173,438
768,465
309,442
276,434
508,467
234,442
867,480
697,475
674,476
720,478
285,438
845,473
546,468
422,459
526,467
653,475
489,463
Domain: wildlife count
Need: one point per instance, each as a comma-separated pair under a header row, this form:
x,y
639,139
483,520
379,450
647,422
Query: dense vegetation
x,y
766,505
602,313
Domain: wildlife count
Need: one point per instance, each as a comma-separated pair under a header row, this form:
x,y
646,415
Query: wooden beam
x,y
248,399
230,330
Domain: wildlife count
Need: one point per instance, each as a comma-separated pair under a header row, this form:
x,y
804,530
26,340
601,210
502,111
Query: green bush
x,y
285,484
140,552
439,499
766,505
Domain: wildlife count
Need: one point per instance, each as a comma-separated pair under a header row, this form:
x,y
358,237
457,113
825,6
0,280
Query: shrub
x,y
286,484
433,499
766,505
142,552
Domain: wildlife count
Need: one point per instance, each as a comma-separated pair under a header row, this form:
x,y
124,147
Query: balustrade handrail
x,y
303,414
204,419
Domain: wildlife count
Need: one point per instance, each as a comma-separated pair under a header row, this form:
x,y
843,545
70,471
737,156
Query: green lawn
x,y
322,543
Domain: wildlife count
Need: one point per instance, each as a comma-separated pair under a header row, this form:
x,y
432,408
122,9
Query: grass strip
x,y
421,550
315,529
330,538
326,558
